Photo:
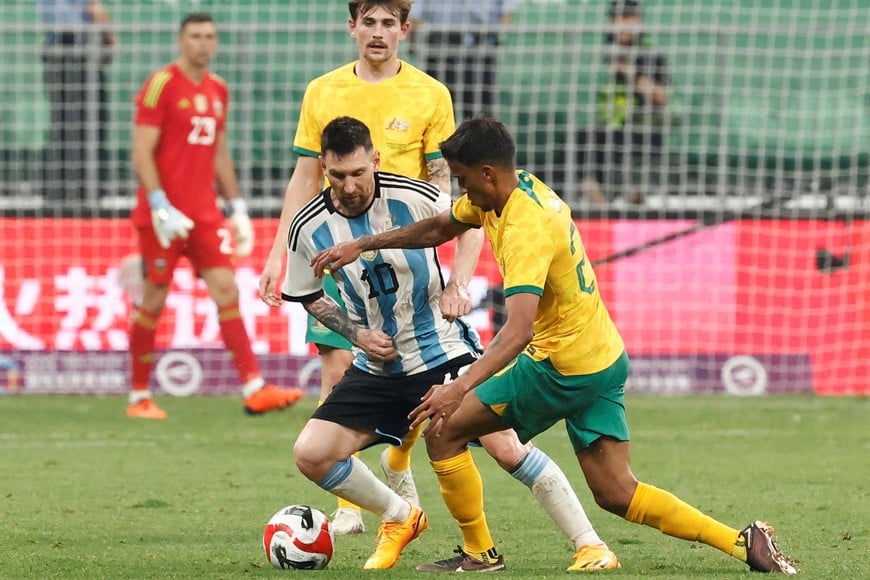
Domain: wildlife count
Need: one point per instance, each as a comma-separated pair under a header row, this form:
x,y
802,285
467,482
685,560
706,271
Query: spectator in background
x,y
461,49
76,50
630,109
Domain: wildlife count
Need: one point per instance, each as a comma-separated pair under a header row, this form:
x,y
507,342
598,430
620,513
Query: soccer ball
x,y
298,537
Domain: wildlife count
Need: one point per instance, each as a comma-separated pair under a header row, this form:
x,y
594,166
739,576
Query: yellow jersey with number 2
x,y
539,250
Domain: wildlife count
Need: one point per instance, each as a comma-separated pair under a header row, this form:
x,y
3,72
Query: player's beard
x,y
355,205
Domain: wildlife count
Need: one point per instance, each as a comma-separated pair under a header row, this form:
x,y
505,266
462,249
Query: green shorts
x,y
317,333
531,396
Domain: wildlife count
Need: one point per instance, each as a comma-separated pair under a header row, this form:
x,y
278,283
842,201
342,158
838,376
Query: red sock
x,y
143,331
237,342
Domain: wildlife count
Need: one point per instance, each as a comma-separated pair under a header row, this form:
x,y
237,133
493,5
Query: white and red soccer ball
x,y
298,537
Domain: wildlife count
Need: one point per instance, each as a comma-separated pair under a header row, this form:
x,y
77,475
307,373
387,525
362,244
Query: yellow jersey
x,y
409,115
539,250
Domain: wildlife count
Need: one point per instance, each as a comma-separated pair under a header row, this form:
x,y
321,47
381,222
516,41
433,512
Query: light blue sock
x,y
339,472
352,480
554,493
531,466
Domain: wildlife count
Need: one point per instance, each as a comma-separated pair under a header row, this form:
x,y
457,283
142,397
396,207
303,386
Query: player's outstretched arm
x,y
442,400
377,345
427,233
304,185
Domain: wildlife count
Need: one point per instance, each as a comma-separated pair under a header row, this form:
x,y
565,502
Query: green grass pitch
x,y
87,493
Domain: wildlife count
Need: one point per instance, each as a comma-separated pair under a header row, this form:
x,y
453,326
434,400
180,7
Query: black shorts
x,y
381,405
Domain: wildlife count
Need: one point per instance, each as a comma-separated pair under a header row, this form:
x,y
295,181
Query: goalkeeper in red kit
x,y
180,153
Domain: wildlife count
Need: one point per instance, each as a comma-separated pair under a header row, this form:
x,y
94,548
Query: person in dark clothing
x,y
630,109
76,50
461,43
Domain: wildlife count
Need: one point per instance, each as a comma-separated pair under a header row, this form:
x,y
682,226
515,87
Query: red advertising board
x,y
745,288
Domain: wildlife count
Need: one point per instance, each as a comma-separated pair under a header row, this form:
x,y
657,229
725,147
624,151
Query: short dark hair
x,y
400,7
195,18
343,135
624,8
482,139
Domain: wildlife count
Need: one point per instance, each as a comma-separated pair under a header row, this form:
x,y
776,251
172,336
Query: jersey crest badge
x,y
160,264
200,103
369,255
399,125
184,104
555,203
218,108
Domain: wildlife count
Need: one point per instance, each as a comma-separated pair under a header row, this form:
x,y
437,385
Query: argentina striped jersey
x,y
395,290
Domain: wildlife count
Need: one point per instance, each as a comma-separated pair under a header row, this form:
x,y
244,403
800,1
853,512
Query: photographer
x,y
630,110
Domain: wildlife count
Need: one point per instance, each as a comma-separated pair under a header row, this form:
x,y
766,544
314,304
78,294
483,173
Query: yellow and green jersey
x,y
539,250
409,115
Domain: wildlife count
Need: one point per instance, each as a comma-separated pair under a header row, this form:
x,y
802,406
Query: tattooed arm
x,y
439,174
377,345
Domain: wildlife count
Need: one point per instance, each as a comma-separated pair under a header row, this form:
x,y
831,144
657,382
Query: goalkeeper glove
x,y
168,222
237,212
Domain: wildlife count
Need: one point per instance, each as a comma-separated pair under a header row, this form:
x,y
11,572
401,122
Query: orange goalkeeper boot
x,y
145,409
271,398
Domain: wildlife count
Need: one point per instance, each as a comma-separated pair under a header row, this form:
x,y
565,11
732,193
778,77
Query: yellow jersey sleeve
x,y
442,124
463,212
307,140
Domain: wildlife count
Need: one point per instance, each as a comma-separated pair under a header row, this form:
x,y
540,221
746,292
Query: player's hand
x,y
168,222
439,403
335,257
237,212
269,282
377,345
454,302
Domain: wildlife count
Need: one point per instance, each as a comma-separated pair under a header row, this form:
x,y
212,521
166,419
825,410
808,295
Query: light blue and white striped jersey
x,y
394,290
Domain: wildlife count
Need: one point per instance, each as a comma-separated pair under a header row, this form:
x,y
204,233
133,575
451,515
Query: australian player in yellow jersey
x,y
558,356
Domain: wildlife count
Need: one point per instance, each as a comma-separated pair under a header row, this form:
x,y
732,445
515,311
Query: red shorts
x,y
207,246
